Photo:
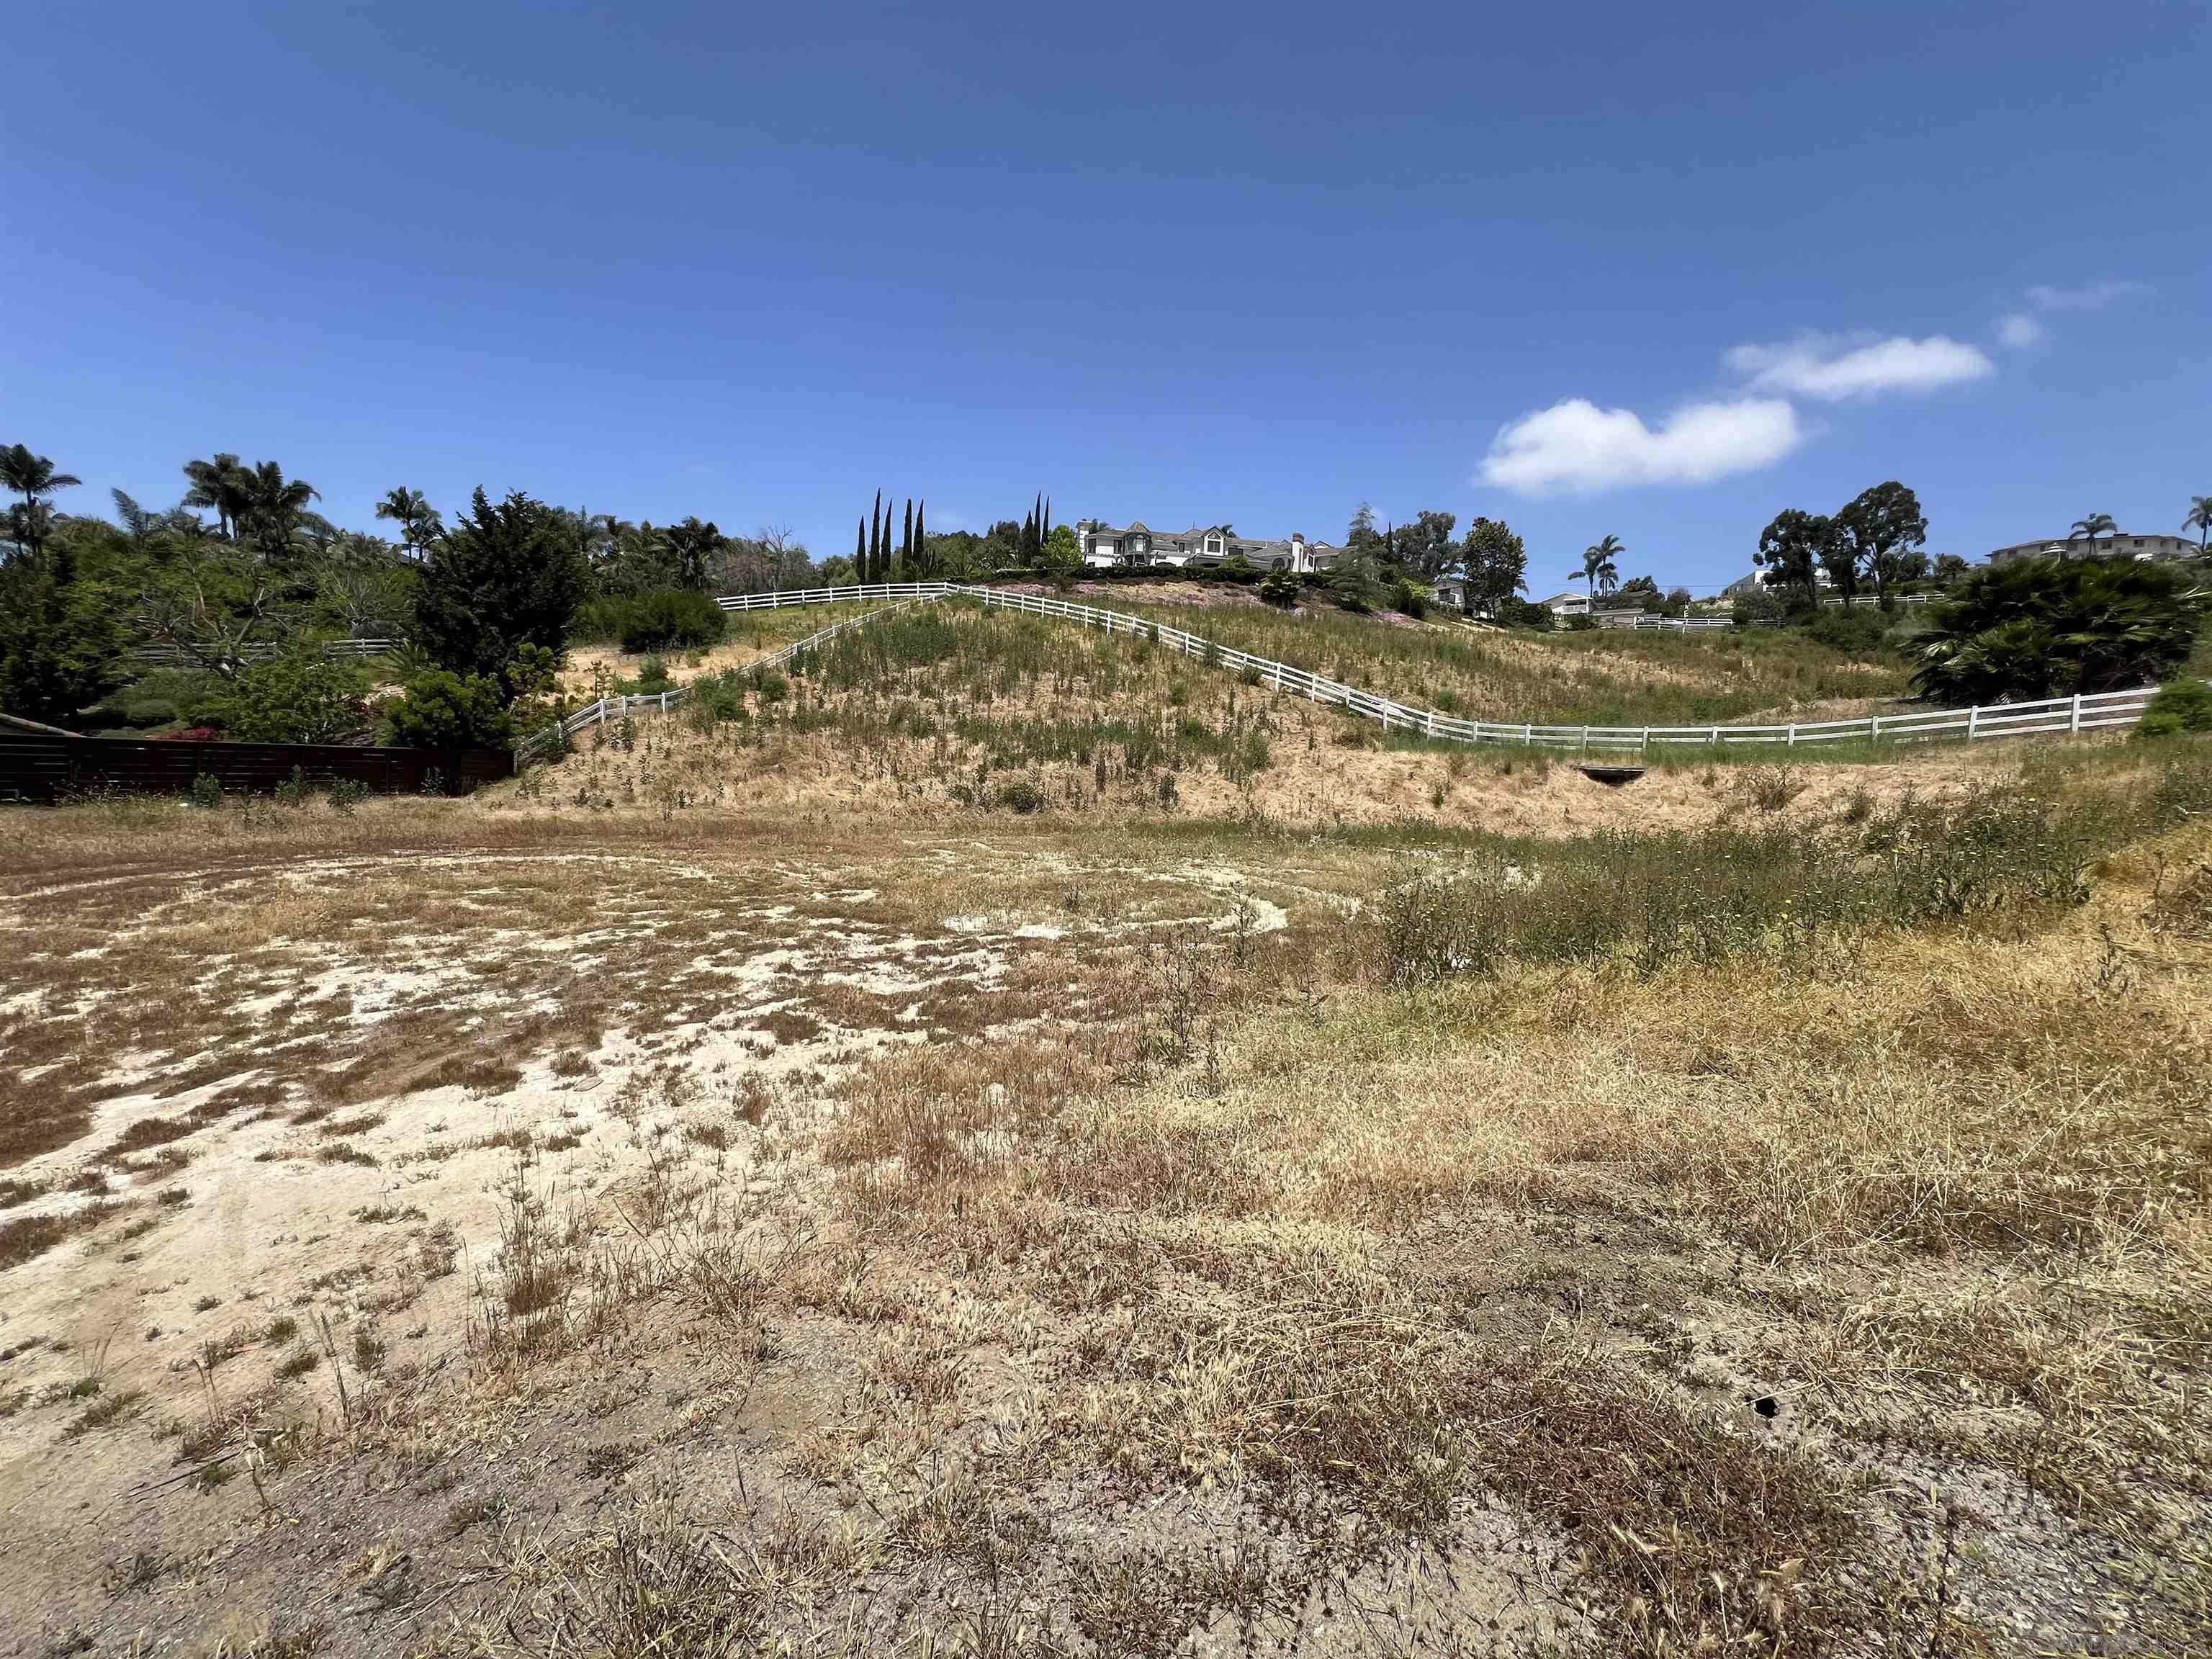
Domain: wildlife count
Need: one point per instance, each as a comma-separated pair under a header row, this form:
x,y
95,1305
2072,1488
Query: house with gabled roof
x,y
1137,546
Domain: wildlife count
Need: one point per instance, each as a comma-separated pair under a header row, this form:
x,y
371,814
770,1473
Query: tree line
x,y
242,581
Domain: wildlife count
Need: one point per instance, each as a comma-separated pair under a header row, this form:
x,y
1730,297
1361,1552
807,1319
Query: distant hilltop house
x,y
2117,545
1765,582
1569,604
1136,547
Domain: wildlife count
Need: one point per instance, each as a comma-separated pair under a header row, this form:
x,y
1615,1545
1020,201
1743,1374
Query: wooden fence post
x,y
2074,724
1973,722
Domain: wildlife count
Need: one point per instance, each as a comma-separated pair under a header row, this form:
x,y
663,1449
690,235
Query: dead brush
x,y
652,1583
925,1117
524,1313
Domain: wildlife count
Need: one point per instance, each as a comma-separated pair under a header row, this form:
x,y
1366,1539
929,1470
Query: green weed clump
x,y
1703,897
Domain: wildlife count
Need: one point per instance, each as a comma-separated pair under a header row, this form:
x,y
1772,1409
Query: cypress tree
x,y
921,538
1044,524
875,539
860,550
906,541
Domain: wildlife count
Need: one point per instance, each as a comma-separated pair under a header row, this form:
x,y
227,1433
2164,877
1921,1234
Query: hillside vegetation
x,y
1597,678
829,1233
953,706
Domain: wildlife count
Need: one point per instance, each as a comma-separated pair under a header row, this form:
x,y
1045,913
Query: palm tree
x,y
220,486
2096,525
689,546
32,476
1599,567
418,521
2200,520
274,506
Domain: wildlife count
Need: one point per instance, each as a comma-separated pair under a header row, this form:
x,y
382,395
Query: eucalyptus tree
x,y
1883,531
1795,548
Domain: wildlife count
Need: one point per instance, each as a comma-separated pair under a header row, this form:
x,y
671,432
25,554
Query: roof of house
x,y
1193,540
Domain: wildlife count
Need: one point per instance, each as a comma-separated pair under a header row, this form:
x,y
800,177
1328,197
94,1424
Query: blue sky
x,y
1592,268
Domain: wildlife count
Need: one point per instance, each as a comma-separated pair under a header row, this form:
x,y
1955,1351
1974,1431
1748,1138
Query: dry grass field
x,y
733,1193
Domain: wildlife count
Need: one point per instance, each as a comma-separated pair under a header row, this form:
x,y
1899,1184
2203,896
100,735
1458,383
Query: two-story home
x,y
1137,546
2117,545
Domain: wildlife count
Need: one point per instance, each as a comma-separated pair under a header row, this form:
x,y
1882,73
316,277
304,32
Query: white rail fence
x,y
257,650
2064,715
621,704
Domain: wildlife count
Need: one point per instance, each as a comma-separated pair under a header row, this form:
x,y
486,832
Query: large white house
x,y
1137,546
2117,545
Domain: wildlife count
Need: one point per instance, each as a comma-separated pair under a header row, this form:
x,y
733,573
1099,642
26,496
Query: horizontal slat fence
x,y
36,766
2095,711
258,650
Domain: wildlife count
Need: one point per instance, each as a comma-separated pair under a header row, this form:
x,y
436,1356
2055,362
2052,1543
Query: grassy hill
x,y
954,707
1596,678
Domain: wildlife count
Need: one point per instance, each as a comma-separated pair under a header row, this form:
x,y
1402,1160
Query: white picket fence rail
x,y
2066,715
623,703
256,650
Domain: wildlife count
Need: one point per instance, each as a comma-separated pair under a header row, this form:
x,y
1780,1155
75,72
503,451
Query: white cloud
x,y
2019,329
2095,297
1576,445
1833,368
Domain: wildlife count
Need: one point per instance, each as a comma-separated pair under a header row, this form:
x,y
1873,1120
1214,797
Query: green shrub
x,y
717,698
1408,600
1516,612
442,710
1855,633
652,679
300,698
1281,587
1021,795
666,618
346,793
674,617
207,791
2043,628
2183,706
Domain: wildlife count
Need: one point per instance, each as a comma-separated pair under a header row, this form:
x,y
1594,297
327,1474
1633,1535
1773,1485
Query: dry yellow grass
x,y
998,1237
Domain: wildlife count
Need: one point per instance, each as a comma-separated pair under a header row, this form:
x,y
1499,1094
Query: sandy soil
x,y
842,1218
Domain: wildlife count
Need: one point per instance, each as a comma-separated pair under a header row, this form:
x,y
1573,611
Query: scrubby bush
x,y
1760,609
1516,612
442,710
2043,628
717,698
1409,600
1855,633
1281,587
1021,795
155,698
665,618
2183,706
1649,900
300,698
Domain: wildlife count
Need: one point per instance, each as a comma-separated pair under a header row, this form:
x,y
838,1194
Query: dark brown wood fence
x,y
42,765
